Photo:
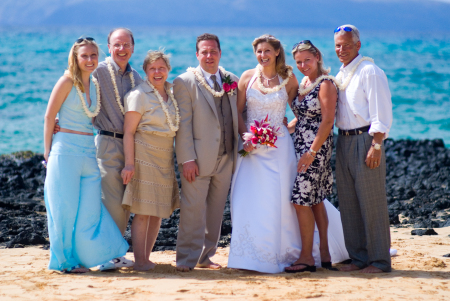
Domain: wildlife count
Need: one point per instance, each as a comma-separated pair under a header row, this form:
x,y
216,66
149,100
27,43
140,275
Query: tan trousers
x,y
202,205
111,161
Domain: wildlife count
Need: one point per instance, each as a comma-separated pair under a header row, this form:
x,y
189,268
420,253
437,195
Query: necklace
x,y
113,79
268,79
203,82
88,112
344,84
302,90
270,90
172,127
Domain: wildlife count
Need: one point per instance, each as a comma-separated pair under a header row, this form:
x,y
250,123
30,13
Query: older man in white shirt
x,y
364,117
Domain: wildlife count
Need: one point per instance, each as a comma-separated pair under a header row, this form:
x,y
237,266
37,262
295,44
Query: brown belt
x,y
357,131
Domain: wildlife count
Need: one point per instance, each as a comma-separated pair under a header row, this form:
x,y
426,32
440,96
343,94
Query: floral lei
x,y
270,90
339,78
88,112
202,81
113,79
172,127
303,91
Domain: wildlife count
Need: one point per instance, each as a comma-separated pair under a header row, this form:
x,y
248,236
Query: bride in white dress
x,y
266,235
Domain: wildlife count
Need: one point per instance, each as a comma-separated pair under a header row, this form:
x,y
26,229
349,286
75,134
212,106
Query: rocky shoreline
x,y
417,181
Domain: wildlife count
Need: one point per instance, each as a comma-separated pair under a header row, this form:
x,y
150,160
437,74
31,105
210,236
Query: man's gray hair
x,y
354,32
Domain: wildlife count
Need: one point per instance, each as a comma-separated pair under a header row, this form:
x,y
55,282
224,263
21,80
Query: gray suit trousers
x,y
111,161
201,212
362,202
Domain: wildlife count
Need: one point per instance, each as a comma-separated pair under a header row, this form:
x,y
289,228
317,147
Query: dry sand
x,y
419,273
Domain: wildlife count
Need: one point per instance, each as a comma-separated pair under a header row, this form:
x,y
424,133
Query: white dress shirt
x,y
209,80
366,100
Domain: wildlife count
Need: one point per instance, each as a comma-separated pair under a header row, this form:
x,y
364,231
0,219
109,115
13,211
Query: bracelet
x,y
309,153
313,152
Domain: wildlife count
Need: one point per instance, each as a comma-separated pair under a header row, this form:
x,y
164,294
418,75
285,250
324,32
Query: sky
x,y
393,15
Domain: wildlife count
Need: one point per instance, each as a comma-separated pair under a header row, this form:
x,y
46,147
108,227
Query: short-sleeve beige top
x,y
153,190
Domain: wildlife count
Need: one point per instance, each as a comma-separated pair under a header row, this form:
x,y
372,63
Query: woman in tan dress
x,y
151,121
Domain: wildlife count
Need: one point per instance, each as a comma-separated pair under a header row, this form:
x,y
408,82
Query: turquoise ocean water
x,y
32,59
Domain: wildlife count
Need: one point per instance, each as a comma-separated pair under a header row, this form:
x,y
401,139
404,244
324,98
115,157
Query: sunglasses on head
x,y
344,28
86,38
302,42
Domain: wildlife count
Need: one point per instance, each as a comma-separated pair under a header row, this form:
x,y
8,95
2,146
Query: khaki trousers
x,y
111,161
201,212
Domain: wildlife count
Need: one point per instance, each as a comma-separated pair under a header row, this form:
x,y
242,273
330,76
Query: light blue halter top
x,y
72,115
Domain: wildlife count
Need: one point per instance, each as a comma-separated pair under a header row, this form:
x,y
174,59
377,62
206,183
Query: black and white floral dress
x,y
312,186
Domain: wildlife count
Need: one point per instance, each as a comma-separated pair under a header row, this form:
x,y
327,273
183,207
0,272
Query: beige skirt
x,y
153,190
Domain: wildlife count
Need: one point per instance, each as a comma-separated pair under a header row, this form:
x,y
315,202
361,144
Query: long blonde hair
x,y
280,63
73,70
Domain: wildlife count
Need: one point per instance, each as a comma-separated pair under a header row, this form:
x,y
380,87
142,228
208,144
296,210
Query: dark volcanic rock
x,y
417,184
421,232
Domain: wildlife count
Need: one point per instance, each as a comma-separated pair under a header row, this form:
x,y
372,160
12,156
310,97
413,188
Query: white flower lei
x,y
303,91
202,81
88,112
270,90
172,127
113,79
343,85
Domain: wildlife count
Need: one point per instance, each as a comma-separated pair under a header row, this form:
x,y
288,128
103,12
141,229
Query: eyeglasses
x,y
344,28
86,38
302,42
124,45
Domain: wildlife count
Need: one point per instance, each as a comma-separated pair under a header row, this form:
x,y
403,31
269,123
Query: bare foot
x,y
349,268
212,265
79,270
183,268
370,270
144,267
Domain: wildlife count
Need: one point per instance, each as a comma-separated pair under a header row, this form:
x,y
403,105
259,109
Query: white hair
x,y
354,32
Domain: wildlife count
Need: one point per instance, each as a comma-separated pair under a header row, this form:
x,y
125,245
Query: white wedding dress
x,y
266,235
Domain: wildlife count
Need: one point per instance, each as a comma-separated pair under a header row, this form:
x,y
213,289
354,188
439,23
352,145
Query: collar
x,y
208,75
117,68
351,65
147,89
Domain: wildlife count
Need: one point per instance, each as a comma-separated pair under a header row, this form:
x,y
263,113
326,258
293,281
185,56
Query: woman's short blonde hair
x,y
73,70
154,55
281,67
308,46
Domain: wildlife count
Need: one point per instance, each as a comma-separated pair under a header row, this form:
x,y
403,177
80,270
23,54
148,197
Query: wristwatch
x,y
376,146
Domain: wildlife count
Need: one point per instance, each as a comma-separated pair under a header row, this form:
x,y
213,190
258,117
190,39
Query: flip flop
x,y
307,268
327,265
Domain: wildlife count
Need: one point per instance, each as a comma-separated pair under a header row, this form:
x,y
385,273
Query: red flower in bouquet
x,y
261,132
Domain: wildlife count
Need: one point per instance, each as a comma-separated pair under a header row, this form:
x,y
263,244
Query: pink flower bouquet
x,y
261,132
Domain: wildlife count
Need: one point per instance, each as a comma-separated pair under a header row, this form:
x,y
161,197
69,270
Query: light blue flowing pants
x,y
80,228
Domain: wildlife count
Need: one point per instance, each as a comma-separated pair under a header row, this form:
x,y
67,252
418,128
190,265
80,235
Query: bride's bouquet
x,y
261,132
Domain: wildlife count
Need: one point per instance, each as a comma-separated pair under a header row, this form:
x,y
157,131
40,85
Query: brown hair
x,y
154,55
73,70
207,37
281,67
314,51
124,29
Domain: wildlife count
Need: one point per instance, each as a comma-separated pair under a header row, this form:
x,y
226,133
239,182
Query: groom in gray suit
x,y
206,148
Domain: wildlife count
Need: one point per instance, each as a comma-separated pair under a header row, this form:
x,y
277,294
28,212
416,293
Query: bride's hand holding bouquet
x,y
261,132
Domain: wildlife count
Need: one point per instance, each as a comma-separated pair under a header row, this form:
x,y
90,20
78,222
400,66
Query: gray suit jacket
x,y
199,133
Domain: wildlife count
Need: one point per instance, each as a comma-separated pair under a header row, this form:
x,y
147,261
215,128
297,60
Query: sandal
x,y
77,269
327,265
307,268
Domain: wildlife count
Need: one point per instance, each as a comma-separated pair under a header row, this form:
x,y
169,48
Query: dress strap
x,y
250,83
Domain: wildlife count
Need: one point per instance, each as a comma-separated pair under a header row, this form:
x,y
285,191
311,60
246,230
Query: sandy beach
x,y
419,273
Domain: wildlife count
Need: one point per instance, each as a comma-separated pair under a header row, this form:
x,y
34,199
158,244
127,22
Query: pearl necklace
x,y
113,79
88,112
344,85
172,127
203,82
303,91
270,90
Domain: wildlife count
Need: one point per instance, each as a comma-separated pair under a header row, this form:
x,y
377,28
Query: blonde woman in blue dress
x,y
82,232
